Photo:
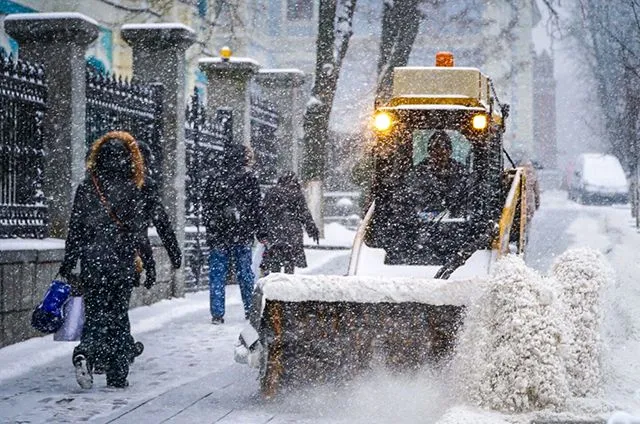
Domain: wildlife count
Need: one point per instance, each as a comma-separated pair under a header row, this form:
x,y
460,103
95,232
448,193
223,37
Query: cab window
x,y
461,146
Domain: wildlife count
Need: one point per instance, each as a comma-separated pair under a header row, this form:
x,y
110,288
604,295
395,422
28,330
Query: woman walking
x,y
284,215
107,221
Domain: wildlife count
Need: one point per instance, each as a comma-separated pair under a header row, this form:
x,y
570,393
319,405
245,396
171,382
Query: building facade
x,y
495,36
544,119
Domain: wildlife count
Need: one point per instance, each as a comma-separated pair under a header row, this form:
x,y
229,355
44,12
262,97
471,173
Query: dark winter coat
x,y
284,215
158,216
230,203
104,236
427,189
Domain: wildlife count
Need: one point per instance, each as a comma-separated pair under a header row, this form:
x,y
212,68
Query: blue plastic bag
x,y
48,317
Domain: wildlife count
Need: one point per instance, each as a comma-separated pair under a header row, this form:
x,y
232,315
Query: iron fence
x,y
115,104
205,140
23,210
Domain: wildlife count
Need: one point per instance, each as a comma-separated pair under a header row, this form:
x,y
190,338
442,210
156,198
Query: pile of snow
x,y
510,351
582,274
532,342
462,414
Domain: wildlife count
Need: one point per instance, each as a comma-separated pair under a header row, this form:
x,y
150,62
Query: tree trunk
x,y
400,24
334,33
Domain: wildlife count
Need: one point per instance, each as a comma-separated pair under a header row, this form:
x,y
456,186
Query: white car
x,y
598,178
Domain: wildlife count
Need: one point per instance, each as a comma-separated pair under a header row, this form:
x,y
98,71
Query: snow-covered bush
x,y
581,275
532,342
509,353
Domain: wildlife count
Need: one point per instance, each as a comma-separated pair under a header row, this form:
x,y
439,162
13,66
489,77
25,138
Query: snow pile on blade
x,y
332,288
325,329
581,275
522,344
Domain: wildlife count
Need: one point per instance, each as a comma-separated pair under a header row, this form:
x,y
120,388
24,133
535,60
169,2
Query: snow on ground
x,y
335,235
187,373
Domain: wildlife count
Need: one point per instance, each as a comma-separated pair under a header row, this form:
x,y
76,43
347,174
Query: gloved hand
x,y
314,234
66,270
150,279
261,236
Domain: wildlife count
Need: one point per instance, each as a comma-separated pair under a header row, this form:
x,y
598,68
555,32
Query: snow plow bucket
x,y
326,329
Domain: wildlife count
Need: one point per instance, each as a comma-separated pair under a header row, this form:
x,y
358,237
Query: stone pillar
x,y
58,41
159,56
228,86
283,87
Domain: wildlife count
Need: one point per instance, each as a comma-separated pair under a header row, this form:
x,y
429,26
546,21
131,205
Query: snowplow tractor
x,y
442,209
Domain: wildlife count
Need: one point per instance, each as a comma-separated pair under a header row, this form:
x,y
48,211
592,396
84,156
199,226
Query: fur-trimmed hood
x,y
137,161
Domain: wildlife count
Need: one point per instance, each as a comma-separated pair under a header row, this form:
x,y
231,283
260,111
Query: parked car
x,y
598,178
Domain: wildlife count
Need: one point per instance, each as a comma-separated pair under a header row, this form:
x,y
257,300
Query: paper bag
x,y
71,329
256,260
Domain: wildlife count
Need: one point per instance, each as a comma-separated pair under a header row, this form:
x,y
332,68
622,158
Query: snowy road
x,y
187,373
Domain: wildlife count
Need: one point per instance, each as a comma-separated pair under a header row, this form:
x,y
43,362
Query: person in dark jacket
x,y
439,182
157,216
105,228
231,201
284,215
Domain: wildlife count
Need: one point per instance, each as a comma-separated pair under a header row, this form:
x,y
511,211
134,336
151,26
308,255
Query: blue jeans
x,y
218,269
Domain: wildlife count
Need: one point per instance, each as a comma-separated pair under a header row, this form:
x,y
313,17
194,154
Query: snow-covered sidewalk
x,y
187,372
185,358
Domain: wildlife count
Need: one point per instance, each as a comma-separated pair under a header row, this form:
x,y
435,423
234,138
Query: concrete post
x,y
58,41
159,56
283,87
228,86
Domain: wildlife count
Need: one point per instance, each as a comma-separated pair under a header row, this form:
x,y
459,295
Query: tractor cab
x,y
438,172
442,207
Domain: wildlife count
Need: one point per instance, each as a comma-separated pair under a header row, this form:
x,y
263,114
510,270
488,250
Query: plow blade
x,y
315,330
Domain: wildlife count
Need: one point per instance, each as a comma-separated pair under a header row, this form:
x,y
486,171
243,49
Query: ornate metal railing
x,y
264,125
115,104
205,140
23,211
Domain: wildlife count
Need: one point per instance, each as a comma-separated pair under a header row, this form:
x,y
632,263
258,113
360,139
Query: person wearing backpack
x,y
231,203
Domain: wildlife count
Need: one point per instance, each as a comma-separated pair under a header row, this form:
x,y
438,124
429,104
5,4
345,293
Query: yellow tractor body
x,y
412,269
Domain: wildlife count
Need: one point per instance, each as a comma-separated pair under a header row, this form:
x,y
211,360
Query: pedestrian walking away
x,y
231,201
284,214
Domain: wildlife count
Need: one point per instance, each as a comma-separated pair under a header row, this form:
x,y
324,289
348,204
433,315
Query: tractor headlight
x,y
382,121
479,121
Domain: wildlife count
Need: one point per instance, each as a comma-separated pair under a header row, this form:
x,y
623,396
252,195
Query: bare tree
x,y
225,18
334,32
400,24
607,34
402,21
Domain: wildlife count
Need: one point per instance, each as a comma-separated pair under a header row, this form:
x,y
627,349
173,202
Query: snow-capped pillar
x,y
159,56
228,86
58,42
283,87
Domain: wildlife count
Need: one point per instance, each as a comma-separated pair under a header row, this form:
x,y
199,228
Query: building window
x,y
299,10
202,8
